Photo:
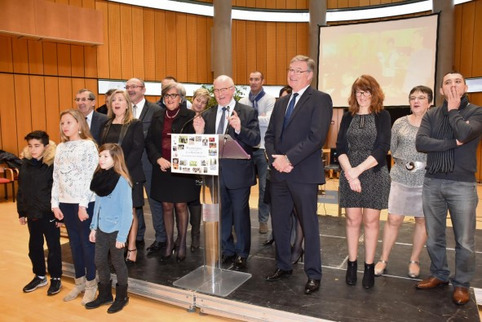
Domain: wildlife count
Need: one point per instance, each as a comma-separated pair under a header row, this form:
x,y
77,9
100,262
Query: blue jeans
x,y
82,249
261,165
460,199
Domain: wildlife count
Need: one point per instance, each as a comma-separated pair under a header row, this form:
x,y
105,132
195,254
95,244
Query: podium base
x,y
212,280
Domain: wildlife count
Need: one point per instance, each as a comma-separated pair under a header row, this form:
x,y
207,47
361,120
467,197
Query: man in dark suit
x,y
294,139
144,110
85,101
236,176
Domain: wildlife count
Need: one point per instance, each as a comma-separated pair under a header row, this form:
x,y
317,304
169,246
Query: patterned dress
x,y
375,183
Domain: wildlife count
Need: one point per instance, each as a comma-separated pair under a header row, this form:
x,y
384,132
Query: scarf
x,y
104,182
255,98
443,161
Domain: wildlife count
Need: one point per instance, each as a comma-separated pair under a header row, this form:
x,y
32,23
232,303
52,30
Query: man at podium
x,y
236,176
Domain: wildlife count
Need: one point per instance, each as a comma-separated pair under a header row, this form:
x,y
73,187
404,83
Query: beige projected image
x,y
400,54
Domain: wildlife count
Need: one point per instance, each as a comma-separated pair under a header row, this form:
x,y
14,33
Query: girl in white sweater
x,y
72,199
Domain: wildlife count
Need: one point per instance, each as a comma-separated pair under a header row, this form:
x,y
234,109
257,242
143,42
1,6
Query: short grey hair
x,y
309,61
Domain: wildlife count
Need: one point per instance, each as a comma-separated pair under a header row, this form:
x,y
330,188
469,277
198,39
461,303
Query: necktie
x,y
289,110
222,120
134,111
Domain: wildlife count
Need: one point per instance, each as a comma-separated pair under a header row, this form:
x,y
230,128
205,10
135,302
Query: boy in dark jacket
x,y
33,207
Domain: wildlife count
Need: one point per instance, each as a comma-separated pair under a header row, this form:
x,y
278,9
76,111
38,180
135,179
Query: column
x,y
221,51
317,17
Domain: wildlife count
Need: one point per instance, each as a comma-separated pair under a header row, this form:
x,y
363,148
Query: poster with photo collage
x,y
195,154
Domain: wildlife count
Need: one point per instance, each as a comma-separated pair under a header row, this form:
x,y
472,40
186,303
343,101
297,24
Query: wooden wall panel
x,y
103,50
149,45
22,107
77,60
282,58
193,45
126,45
251,44
50,58
477,48
6,54
77,84
169,45
467,39
37,104
64,60
114,23
35,57
160,44
66,97
9,116
90,61
138,39
271,53
181,46
20,56
261,53
52,107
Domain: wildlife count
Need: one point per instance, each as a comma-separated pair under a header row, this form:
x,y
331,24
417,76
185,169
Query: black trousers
x,y
40,228
105,245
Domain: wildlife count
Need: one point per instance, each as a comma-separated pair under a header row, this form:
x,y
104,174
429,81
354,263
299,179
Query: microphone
x,y
191,119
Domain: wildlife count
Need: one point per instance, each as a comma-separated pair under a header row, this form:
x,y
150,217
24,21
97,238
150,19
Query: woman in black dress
x,y
123,129
174,190
362,145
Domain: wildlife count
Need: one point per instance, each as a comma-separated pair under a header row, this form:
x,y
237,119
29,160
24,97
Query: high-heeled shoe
x,y
381,267
369,276
414,273
181,253
128,259
168,251
296,256
351,270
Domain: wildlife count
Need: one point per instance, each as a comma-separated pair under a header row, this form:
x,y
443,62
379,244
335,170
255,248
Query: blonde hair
x,y
117,155
202,92
128,117
84,131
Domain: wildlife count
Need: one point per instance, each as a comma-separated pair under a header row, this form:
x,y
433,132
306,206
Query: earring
x,y
80,132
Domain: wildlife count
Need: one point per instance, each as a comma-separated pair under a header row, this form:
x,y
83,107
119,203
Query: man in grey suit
x,y
144,110
296,134
85,101
263,103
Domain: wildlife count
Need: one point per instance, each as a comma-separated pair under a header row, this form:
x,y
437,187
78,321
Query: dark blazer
x,y
97,125
146,115
303,138
131,140
382,143
237,173
154,136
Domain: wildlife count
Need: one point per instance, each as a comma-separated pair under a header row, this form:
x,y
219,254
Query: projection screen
x,y
400,54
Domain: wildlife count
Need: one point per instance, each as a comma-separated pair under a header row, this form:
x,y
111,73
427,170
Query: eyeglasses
x,y
83,99
222,90
420,98
362,93
171,95
297,71
128,87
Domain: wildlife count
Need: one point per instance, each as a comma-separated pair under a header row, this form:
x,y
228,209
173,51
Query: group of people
x,y
99,193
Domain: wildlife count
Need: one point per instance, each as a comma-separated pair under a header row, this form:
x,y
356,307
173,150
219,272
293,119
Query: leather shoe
x,y
312,286
227,259
268,241
279,274
155,247
429,283
240,263
461,295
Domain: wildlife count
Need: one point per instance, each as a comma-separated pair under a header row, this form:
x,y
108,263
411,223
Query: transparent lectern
x,y
210,278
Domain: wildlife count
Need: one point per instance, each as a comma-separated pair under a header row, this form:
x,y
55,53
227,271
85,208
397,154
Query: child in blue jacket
x,y
110,224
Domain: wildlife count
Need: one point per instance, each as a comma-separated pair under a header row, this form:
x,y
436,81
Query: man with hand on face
x,y
296,134
263,103
236,176
144,110
450,135
85,101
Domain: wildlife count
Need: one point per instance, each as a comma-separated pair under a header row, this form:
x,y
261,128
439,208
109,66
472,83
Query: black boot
x,y
104,296
195,221
369,276
351,272
121,299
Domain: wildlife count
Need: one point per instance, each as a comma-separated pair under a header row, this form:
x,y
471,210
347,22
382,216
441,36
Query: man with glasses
x,y
144,110
296,134
85,101
450,135
263,103
236,176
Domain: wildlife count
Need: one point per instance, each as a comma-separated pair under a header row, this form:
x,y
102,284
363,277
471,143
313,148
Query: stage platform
x,y
394,297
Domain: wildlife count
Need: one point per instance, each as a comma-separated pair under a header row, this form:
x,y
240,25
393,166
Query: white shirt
x,y
88,118
138,110
231,105
300,93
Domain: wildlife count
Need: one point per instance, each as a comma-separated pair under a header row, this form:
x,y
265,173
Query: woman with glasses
x,y
172,189
407,176
362,145
122,128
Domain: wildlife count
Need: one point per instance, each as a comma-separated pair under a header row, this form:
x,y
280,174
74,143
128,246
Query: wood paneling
x,y
6,54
